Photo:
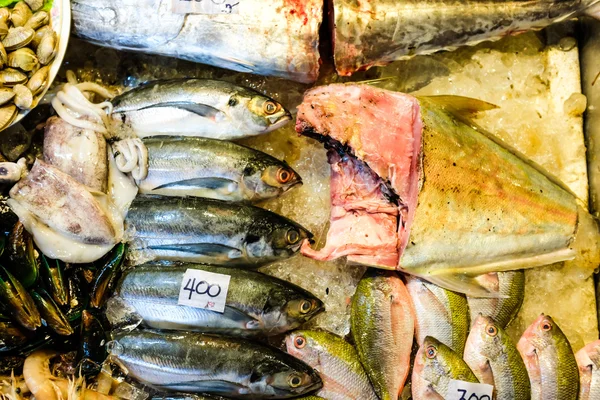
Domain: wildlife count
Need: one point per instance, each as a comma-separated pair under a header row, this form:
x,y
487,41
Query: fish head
x,y
269,178
538,336
276,238
486,337
435,362
303,345
259,112
282,378
287,309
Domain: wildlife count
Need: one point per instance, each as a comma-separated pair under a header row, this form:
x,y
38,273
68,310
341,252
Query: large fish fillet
x,y
279,37
465,204
377,32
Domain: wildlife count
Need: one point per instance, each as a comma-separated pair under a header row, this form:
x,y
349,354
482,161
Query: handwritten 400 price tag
x,y
461,390
202,289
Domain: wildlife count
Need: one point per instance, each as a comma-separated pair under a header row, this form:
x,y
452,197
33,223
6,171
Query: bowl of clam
x,y
34,35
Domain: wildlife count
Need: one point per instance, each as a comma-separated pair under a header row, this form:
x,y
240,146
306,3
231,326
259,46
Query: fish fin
x,y
206,249
462,283
461,106
237,315
207,183
202,110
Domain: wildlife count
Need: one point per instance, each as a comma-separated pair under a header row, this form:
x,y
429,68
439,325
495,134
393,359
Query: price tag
x,y
461,390
205,6
202,289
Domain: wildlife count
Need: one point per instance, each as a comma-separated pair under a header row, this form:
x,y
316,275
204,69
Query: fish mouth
x,y
277,121
292,185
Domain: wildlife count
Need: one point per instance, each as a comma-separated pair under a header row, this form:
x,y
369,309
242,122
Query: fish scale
x,y
440,313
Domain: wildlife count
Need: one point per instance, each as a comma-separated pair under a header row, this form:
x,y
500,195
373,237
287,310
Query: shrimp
x,y
12,388
45,386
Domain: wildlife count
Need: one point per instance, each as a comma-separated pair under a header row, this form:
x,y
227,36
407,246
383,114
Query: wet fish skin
x,y
379,32
198,363
549,360
201,167
588,361
280,40
494,359
335,360
435,365
212,231
439,313
198,107
383,326
257,304
501,309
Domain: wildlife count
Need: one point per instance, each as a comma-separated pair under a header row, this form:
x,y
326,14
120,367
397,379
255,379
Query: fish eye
x,y
431,352
270,107
546,326
294,380
299,342
305,306
284,175
491,330
292,236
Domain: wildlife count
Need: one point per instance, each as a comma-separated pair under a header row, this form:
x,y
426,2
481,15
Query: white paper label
x,y
461,390
205,6
202,289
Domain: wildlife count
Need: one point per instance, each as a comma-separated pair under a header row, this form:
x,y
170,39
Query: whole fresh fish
x,y
383,326
549,360
435,366
408,191
377,32
494,359
212,231
510,286
440,313
186,166
198,363
281,39
256,304
588,361
335,360
197,107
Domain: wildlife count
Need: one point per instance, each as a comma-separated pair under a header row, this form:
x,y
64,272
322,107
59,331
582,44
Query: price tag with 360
x,y
202,289
461,390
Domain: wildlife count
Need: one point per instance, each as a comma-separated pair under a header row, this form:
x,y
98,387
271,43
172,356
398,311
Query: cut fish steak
x,y
416,188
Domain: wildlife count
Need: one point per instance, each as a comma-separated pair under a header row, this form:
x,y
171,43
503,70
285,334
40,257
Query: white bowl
x,y
60,22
